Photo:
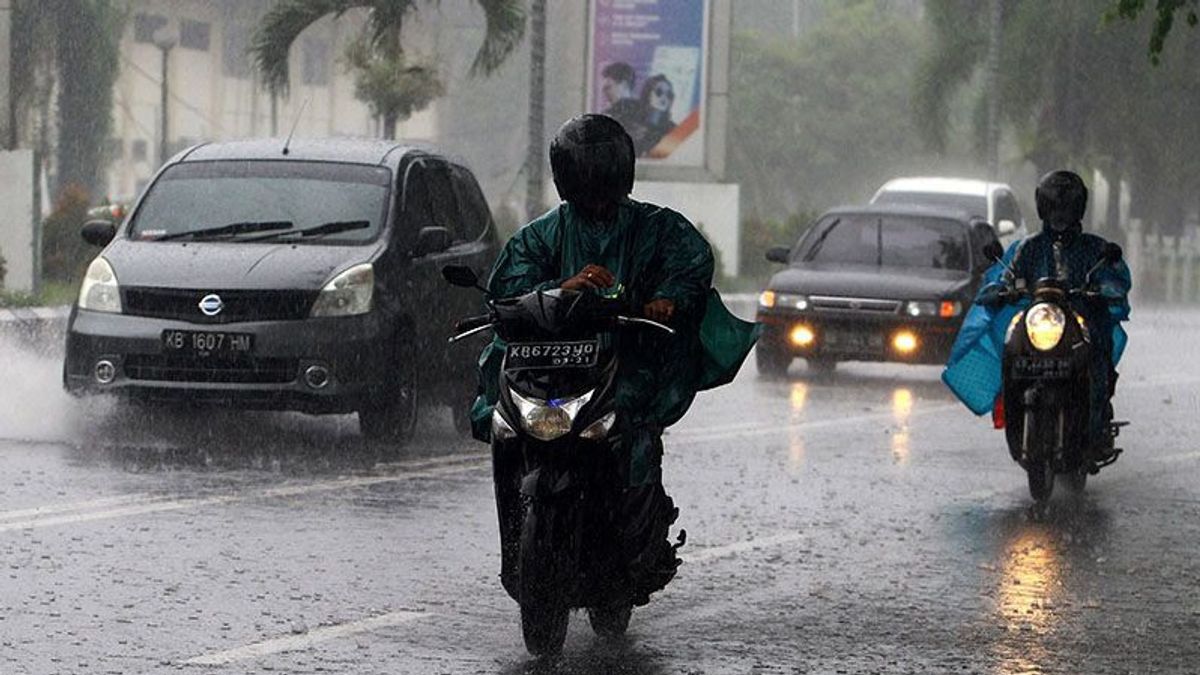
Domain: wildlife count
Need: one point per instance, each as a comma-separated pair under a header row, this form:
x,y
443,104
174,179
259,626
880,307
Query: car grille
x,y
865,305
184,305
161,368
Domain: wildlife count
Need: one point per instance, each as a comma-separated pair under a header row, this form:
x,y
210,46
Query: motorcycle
x,y
1044,406
558,466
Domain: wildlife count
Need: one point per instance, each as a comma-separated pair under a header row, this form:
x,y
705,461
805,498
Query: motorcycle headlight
x,y
548,420
1044,324
100,291
348,294
501,429
598,430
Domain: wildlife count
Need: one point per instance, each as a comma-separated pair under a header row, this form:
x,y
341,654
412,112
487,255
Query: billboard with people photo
x,y
647,70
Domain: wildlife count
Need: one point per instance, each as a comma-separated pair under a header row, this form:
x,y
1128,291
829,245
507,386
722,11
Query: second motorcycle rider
x,y
651,257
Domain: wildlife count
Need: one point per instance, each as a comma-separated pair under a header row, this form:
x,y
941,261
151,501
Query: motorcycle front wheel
x,y
545,611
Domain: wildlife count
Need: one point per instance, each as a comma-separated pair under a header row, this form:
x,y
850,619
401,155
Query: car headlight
x,y
548,420
946,309
100,291
1044,324
770,299
348,294
598,430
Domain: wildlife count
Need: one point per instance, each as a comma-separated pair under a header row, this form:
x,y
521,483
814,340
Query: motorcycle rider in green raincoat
x,y
600,240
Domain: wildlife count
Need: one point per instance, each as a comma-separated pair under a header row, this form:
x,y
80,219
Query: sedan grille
x,y
162,368
865,305
240,305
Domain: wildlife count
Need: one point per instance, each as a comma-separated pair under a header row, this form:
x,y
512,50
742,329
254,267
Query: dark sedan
x,y
872,283
307,278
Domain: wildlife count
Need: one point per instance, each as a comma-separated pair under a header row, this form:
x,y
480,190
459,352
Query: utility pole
x,y
165,44
993,86
535,165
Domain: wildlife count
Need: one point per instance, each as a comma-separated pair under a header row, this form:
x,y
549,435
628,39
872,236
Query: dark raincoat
x,y
973,371
654,253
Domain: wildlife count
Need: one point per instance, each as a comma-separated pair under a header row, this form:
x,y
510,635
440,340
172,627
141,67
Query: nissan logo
x,y
211,305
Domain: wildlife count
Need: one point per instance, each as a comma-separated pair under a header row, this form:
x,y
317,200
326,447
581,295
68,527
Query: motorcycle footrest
x,y
1100,464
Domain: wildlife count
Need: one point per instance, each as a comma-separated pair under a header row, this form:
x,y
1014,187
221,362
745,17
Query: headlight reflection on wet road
x,y
798,398
902,406
1030,590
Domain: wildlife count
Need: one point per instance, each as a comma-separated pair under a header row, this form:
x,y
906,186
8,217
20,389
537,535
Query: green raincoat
x,y
654,253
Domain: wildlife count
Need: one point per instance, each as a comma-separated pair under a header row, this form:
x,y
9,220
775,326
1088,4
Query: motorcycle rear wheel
x,y
544,609
610,622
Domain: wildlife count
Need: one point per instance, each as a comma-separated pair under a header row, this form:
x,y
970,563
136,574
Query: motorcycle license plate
x,y
1029,367
527,355
207,343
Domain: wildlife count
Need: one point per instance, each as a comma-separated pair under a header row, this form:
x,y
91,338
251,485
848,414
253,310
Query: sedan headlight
x,y
100,291
348,294
548,420
1044,324
946,309
772,299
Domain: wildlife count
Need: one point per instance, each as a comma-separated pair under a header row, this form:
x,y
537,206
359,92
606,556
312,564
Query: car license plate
x,y
207,343
1028,367
845,341
527,355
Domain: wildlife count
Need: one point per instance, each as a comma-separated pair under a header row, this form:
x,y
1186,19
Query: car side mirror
x,y
433,240
460,275
98,232
1005,227
993,251
778,254
1112,253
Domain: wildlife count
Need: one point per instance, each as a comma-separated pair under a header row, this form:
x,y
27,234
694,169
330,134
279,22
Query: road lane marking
x,y
715,552
435,471
744,430
102,502
306,639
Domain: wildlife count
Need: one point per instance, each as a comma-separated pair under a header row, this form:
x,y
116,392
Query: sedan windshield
x,y
888,240
240,200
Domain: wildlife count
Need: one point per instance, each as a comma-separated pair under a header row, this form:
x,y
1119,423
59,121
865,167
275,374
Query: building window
x,y
314,62
194,34
146,25
138,149
235,60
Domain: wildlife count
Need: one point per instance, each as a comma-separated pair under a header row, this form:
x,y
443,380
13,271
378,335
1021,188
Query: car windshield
x,y
974,205
889,241
254,196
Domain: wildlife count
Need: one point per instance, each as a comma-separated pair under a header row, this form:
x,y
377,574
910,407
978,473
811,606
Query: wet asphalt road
x,y
860,523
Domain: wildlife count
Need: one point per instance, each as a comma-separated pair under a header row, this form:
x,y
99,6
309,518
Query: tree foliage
x,y
390,83
1164,18
1074,91
824,119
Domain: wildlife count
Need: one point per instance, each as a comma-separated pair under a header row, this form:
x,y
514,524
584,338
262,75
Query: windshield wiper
x,y
317,231
230,230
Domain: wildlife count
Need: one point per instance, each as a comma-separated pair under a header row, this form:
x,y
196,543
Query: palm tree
x,y
391,84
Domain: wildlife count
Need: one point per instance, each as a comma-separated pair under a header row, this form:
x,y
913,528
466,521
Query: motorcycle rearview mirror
x,y
993,251
1112,253
462,276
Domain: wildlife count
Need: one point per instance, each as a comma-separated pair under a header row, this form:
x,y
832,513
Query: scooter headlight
x,y
598,430
1044,324
548,420
500,427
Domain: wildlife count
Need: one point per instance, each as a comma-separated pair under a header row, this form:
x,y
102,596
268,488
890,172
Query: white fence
x,y
1164,268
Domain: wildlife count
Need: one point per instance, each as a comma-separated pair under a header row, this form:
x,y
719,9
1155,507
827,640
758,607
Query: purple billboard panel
x,y
647,70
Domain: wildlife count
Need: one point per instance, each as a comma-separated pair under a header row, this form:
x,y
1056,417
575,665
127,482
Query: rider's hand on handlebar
x,y
660,310
591,276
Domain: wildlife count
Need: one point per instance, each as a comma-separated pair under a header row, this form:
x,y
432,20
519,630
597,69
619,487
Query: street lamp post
x,y
165,44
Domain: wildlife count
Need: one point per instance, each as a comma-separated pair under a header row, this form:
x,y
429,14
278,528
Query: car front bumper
x,y
841,336
353,351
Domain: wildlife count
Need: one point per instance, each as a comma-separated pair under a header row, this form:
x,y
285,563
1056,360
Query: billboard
x,y
647,69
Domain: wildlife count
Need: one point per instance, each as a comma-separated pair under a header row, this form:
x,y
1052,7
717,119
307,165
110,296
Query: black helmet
x,y
1061,199
592,160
